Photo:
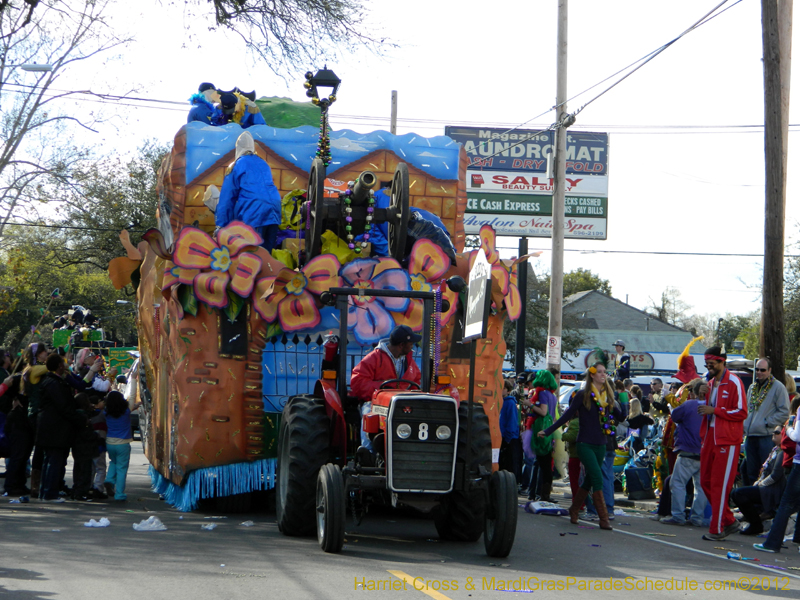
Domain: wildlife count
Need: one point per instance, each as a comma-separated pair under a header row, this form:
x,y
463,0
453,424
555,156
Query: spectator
x,y
84,450
791,387
34,356
622,362
658,404
528,455
788,445
98,421
767,408
636,392
758,502
544,405
118,443
58,422
721,430
790,501
5,363
510,448
598,413
570,438
687,466
623,397
17,434
638,420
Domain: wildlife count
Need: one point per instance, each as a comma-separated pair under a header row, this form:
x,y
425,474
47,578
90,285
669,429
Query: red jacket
x,y
730,411
377,367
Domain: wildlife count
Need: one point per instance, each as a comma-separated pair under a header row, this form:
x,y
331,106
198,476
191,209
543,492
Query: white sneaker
x,y
55,501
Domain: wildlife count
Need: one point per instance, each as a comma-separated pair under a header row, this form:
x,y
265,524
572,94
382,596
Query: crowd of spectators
x,y
53,406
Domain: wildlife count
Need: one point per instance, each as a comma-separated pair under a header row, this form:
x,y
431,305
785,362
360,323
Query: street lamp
x,y
719,327
325,78
33,67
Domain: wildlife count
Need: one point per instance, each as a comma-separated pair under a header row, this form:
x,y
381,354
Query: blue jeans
x,y
608,480
684,470
54,467
756,451
790,504
119,457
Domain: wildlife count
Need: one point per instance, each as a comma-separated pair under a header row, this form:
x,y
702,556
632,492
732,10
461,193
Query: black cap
x,y
402,334
522,378
206,86
227,103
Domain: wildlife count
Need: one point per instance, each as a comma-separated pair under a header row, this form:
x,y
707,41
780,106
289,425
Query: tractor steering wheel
x,y
387,382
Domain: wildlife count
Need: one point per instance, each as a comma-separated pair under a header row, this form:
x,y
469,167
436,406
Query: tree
x,y
537,315
791,307
579,280
37,155
286,34
671,309
107,196
72,251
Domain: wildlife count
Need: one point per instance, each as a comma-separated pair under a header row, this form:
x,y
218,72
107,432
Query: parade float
x,y
229,333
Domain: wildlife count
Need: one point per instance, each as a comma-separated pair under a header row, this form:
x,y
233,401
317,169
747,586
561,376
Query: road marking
x,y
749,563
410,581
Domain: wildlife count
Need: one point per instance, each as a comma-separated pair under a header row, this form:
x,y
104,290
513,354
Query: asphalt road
x,y
46,552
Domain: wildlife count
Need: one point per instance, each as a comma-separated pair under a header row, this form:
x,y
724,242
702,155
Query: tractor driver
x,y
391,359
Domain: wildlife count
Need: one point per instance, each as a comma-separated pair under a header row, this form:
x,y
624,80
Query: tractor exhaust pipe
x,y
365,182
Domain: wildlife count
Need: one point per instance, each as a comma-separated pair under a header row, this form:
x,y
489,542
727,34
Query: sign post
x,y
475,322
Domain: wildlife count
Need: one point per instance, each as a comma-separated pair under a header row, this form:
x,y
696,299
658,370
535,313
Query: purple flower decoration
x,y
370,318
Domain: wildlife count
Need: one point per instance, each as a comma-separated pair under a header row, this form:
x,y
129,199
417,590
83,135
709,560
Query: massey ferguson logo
x,y
407,410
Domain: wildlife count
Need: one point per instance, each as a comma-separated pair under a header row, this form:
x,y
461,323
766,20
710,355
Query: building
x,y
654,345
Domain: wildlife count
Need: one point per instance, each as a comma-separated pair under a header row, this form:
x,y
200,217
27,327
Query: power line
x,y
722,254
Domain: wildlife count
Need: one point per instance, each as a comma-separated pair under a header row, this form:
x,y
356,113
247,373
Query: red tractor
x,y
430,452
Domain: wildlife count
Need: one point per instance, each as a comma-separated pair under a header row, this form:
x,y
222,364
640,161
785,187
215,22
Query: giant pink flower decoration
x,y
503,289
370,317
288,296
214,266
427,264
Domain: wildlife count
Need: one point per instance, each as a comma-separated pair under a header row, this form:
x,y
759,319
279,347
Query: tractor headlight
x,y
404,431
443,432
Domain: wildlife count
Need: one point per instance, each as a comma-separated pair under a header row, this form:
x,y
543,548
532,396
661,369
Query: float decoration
x,y
370,318
290,295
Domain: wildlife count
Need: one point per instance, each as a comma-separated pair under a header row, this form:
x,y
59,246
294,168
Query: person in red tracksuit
x,y
392,359
721,432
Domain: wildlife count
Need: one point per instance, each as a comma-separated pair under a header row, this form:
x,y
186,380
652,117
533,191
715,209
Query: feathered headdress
x,y
599,356
686,368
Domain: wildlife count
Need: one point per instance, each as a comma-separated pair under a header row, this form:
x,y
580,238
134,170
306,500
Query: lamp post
x,y
719,327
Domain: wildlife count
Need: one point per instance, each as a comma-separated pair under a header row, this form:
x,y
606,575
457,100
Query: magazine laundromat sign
x,y
530,151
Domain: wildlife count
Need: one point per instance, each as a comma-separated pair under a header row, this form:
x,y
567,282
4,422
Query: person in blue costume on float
x,y
249,194
203,108
236,108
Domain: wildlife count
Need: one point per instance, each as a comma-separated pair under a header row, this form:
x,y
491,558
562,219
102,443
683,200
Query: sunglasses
x,y
762,370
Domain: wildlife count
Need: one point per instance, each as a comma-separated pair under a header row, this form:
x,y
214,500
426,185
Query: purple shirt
x,y
687,427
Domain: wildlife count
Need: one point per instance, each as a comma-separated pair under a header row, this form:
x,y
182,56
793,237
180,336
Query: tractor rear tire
x,y
462,512
501,517
303,447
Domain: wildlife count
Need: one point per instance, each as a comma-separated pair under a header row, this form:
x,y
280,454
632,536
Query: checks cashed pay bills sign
x,y
508,185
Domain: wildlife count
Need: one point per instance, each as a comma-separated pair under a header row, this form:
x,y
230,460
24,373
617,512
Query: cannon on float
x,y
353,212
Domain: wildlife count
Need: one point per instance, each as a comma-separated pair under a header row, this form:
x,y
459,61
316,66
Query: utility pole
x,y
557,264
393,123
776,18
522,284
